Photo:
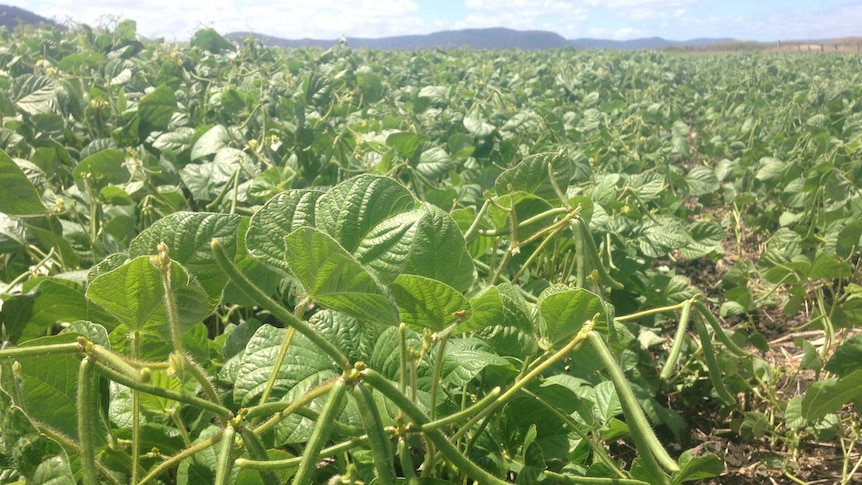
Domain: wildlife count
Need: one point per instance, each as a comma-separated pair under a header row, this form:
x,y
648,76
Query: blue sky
x,y
763,20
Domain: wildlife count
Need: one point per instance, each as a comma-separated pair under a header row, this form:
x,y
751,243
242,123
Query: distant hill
x,y
493,38
11,17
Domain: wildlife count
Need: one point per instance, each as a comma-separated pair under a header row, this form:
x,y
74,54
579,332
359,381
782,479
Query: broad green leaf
x,y
354,207
333,278
304,367
135,293
477,127
771,169
849,239
211,142
552,435
106,166
694,467
18,197
701,181
706,237
156,109
425,303
663,235
210,40
827,396
54,471
564,313
51,380
49,302
425,242
36,94
280,216
487,310
533,176
406,143
353,337
435,162
847,357
188,236
465,358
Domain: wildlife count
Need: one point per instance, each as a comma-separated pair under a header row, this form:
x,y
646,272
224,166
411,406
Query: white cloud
x,y
178,19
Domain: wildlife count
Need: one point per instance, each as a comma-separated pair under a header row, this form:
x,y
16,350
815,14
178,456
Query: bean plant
x,y
227,263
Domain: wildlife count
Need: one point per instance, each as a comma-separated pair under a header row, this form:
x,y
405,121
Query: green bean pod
x,y
593,253
711,362
381,450
651,450
678,338
257,451
321,433
720,334
223,461
87,398
447,449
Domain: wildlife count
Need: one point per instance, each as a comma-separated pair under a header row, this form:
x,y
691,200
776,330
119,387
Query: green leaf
x,y
770,169
353,337
50,380
407,144
354,207
188,236
156,109
849,239
304,367
828,396
435,162
465,358
54,471
280,216
706,237
134,292
18,197
701,181
36,94
475,126
332,277
532,176
106,166
425,242
564,313
847,357
425,303
697,467
210,40
487,310
211,142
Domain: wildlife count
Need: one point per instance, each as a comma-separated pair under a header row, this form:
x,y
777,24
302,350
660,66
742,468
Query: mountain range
x,y
492,38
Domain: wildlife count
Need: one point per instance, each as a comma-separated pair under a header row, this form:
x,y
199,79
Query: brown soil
x,y
764,461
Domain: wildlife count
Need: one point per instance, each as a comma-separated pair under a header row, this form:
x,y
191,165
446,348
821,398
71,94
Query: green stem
x,y
279,360
464,413
678,338
598,449
195,401
257,451
712,367
322,429
306,398
651,450
568,479
87,398
262,299
402,358
655,311
223,461
593,253
719,332
478,220
52,349
416,415
175,459
294,462
381,449
528,377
